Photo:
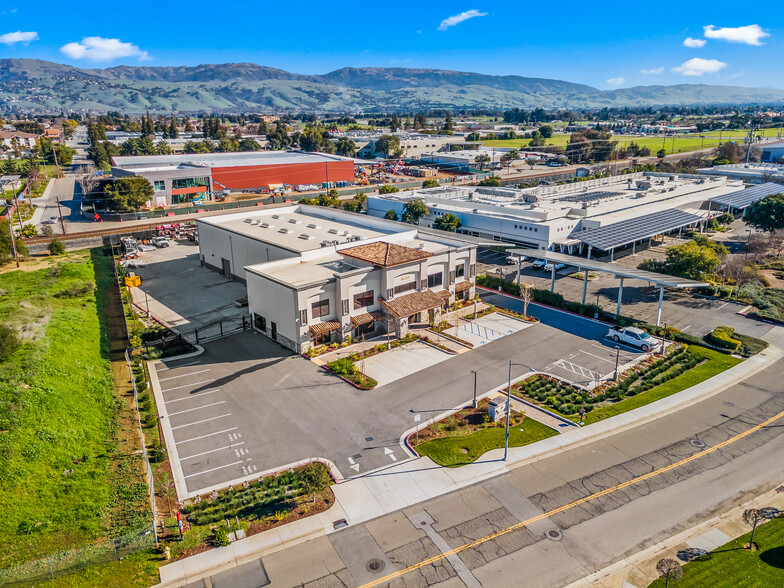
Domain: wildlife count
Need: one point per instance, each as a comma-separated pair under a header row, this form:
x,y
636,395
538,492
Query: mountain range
x,y
32,85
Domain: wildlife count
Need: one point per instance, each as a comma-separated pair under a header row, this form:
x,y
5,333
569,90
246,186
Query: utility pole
x,y
60,212
13,243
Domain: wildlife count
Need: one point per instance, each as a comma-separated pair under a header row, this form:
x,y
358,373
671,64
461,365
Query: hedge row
x,y
722,337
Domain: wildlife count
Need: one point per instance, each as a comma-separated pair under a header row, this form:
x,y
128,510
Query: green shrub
x,y
722,337
220,536
343,367
56,247
9,342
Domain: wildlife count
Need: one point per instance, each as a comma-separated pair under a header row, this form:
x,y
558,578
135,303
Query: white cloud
x,y
652,71
399,61
616,81
697,66
458,18
18,37
100,49
748,35
694,43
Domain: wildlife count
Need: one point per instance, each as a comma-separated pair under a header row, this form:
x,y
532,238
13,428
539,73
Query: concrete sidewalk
x,y
404,484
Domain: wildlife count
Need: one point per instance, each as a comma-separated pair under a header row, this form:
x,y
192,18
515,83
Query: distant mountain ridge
x,y
32,85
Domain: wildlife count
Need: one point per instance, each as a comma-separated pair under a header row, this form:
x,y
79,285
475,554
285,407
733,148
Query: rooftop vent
x,y
247,220
275,216
357,237
295,221
285,231
255,221
267,226
333,231
305,237
326,243
314,226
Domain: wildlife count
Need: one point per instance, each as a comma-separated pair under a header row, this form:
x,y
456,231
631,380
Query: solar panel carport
x,y
609,237
742,199
620,272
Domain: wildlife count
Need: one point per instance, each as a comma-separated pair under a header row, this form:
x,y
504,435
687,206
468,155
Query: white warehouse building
x,y
316,275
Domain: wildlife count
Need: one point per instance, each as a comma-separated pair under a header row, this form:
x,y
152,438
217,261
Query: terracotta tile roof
x,y
460,286
367,317
444,294
403,306
385,254
325,327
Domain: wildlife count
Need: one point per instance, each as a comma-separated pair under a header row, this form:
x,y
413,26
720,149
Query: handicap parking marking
x,y
210,451
202,421
576,369
204,436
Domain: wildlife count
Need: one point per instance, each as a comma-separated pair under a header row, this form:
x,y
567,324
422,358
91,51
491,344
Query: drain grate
x,y
369,439
356,456
554,535
699,444
375,566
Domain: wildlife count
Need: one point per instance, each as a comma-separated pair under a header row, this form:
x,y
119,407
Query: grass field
x,y
446,451
732,566
717,363
58,413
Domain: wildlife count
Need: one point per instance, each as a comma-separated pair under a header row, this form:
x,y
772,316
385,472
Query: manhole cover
x,y
374,565
728,403
697,443
369,439
554,535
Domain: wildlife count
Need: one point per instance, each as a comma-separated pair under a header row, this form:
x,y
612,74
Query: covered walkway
x,y
742,199
621,272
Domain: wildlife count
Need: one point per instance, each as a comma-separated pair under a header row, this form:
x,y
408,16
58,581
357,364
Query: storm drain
x,y
728,403
699,444
375,566
554,535
369,439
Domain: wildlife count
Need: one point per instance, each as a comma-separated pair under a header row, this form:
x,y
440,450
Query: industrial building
x,y
753,173
182,179
316,275
581,217
772,152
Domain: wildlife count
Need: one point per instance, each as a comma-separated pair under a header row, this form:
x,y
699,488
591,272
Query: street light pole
x,y
473,404
617,356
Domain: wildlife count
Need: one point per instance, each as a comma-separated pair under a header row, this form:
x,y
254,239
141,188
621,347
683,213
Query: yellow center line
x,y
571,505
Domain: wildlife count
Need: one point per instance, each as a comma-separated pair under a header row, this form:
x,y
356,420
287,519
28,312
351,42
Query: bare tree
x,y
735,270
527,294
669,569
88,183
752,518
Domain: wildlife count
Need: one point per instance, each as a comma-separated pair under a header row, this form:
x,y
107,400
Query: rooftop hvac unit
x,y
295,221
357,237
332,231
267,226
255,221
326,243
314,226
285,231
275,216
421,246
334,242
247,220
306,237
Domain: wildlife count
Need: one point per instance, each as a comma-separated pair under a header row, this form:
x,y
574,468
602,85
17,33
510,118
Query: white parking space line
x,y
183,375
174,367
197,408
207,435
228,465
213,451
187,385
197,395
200,422
597,357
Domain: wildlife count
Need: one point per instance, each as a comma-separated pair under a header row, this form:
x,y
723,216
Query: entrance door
x,y
274,331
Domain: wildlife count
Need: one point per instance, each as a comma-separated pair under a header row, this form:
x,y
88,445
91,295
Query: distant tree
x,y
448,122
355,204
546,131
56,247
752,518
447,222
413,210
472,136
490,182
188,128
391,215
69,128
205,146
173,131
394,123
537,140
661,153
249,144
6,250
130,193
669,569
387,190
388,145
482,159
346,147
689,260
527,294
227,145
766,214
508,157
163,148
531,161
430,183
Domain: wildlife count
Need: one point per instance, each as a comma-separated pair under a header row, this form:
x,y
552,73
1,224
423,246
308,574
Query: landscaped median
x,y
465,436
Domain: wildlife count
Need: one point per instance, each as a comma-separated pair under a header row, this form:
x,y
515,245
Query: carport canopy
x,y
609,237
742,199
659,280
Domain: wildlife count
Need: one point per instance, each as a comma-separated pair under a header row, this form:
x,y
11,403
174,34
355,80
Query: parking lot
x,y
180,292
488,328
400,362
692,313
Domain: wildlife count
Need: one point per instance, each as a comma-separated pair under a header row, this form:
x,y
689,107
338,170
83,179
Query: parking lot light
x,y
473,405
617,356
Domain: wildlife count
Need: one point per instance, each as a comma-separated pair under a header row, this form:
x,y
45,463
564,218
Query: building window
x,y
320,308
345,306
460,270
190,182
405,287
159,185
434,280
363,300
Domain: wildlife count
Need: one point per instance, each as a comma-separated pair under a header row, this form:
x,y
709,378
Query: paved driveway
x,y
403,361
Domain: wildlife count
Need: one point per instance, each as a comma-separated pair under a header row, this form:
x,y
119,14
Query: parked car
x,y
633,336
558,266
539,263
160,242
512,259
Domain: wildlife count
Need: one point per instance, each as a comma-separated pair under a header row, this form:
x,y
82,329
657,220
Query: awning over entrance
x,y
325,327
748,196
460,286
365,318
403,306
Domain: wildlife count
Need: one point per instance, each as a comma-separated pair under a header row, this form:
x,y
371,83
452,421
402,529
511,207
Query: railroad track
x,y
127,230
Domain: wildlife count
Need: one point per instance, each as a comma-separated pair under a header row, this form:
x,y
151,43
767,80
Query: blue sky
x,y
607,45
